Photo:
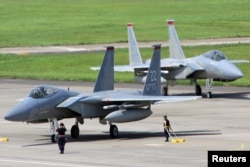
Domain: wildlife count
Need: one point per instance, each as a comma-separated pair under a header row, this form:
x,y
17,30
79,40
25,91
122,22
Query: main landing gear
x,y
198,90
165,91
75,128
113,131
75,131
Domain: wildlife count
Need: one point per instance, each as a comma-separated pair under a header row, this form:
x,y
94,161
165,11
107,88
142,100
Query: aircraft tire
x,y
165,91
114,132
198,90
53,138
209,95
75,131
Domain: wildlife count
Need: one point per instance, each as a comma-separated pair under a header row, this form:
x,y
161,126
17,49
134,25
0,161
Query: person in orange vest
x,y
166,126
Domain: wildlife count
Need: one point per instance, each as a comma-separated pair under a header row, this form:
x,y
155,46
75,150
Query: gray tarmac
x,y
220,123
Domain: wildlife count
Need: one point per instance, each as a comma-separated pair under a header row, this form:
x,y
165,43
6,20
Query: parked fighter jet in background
x,y
50,104
212,65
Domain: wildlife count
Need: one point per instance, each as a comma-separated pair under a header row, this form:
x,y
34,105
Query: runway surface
x,y
221,123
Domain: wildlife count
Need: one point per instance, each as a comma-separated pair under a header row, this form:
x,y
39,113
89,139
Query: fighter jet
x,y
212,65
49,104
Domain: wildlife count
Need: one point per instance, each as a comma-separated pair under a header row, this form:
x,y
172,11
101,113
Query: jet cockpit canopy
x,y
215,55
42,91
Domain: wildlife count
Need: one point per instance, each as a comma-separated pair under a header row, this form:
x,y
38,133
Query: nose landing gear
x,y
53,127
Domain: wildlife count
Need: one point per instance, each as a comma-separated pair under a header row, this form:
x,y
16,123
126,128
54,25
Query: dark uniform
x,y
166,126
61,137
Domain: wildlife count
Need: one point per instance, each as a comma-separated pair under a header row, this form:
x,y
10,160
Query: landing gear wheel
x,y
165,91
209,95
75,131
113,131
53,138
198,90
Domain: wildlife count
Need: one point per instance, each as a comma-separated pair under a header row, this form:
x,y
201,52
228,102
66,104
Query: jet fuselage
x,y
40,105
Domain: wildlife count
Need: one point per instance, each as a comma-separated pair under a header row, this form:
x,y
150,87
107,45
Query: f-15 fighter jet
x,y
49,104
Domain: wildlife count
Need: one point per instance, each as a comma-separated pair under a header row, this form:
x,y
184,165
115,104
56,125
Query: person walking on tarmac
x,y
166,126
61,137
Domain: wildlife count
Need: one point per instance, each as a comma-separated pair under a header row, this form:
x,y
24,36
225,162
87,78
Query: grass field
x,y
46,22
69,22
76,66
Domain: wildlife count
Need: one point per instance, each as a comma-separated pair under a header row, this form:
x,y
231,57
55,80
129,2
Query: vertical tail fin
x,y
175,50
105,79
134,53
152,85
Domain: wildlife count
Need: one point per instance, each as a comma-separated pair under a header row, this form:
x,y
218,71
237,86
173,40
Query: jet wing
x,y
165,66
170,63
239,61
71,100
129,68
154,99
123,98
125,68
144,67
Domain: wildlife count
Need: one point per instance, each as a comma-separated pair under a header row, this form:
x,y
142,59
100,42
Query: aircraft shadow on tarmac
x,y
129,135
236,95
124,135
239,96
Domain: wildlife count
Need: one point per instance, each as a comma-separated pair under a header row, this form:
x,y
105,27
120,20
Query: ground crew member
x,y
166,126
61,137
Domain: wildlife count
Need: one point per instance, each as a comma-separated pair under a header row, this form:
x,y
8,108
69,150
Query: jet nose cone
x,y
9,116
231,72
237,74
15,115
234,73
19,112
